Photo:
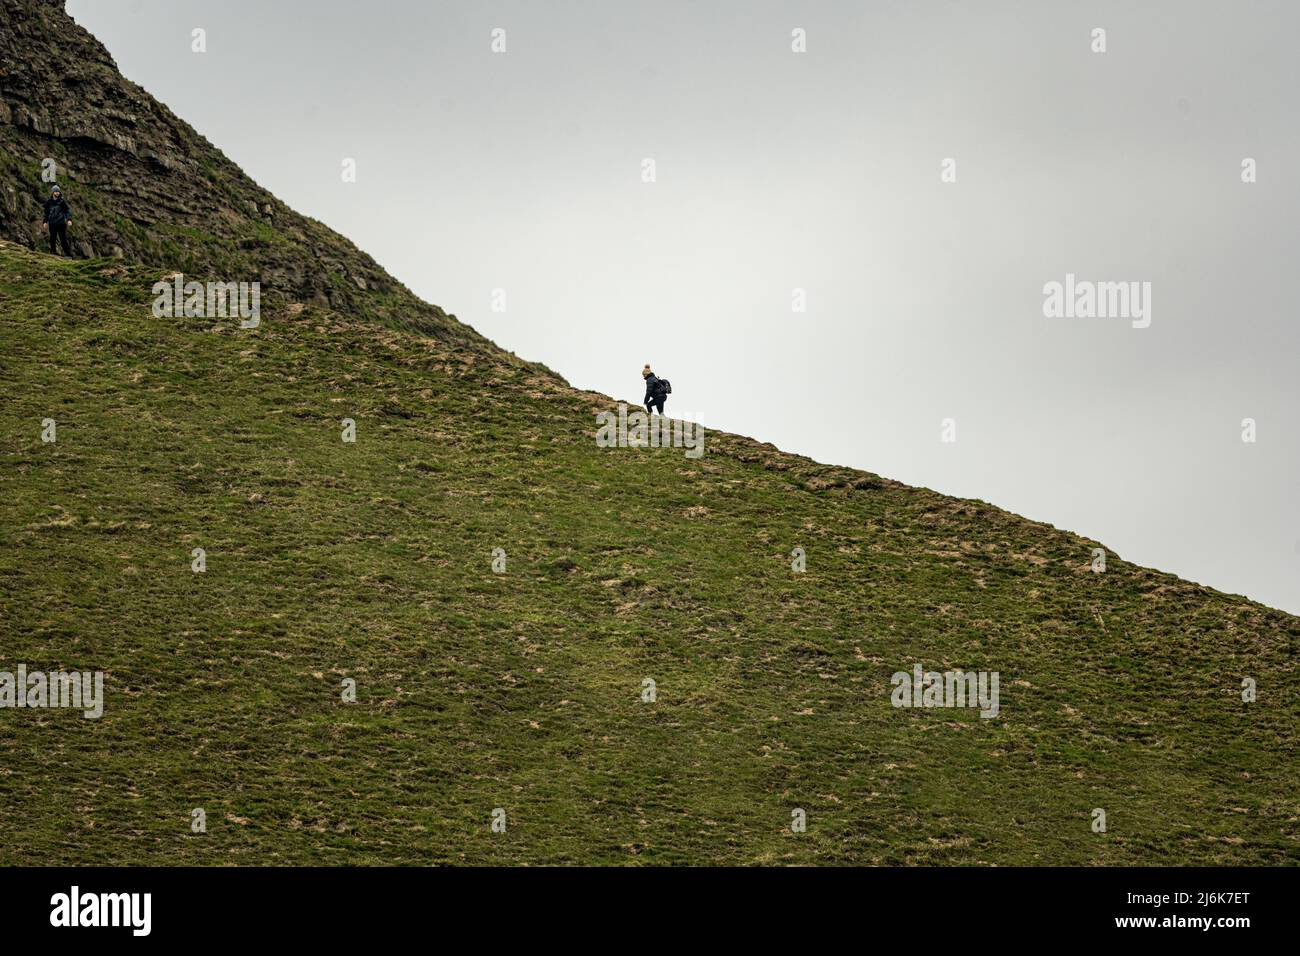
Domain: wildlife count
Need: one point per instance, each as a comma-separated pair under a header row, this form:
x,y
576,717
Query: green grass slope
x,y
522,691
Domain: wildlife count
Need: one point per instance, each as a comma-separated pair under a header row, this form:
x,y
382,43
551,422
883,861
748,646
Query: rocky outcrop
x,y
147,188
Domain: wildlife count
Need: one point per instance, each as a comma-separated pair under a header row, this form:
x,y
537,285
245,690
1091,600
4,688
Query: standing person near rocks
x,y
58,217
656,390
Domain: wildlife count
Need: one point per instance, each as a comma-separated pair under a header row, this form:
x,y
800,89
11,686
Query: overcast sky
x,y
821,171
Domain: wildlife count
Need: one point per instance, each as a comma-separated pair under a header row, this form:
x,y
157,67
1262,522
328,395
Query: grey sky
x,y
821,171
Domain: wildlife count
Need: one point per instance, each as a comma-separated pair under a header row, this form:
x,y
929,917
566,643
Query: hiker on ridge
x,y
58,217
656,390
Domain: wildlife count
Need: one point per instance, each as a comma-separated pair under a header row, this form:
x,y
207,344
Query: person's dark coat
x,y
654,389
57,211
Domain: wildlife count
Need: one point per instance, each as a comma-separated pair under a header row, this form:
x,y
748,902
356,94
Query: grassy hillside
x,y
522,690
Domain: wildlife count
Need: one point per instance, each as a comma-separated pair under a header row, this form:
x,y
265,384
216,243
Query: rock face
x,y
147,188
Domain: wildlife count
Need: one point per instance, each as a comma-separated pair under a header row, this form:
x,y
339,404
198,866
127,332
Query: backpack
x,y
665,386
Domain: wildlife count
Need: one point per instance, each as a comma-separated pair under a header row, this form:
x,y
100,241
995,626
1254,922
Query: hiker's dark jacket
x,y
654,389
57,211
